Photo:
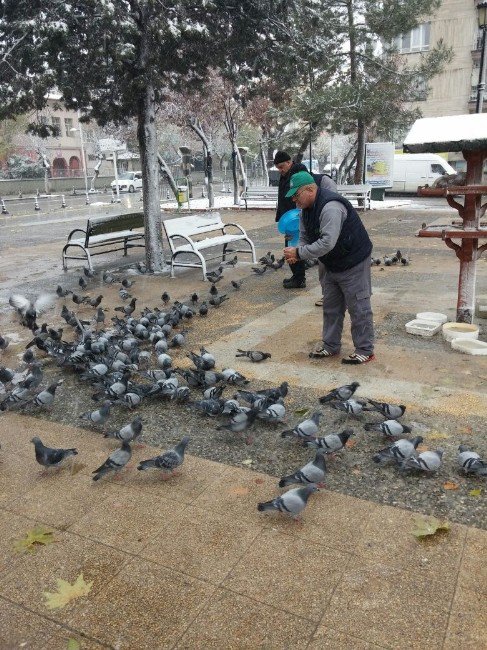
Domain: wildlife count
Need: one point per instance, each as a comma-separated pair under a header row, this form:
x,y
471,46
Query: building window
x,y
68,125
475,81
56,122
417,40
477,43
43,119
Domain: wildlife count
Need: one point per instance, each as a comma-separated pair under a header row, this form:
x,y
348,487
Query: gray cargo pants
x,y
350,290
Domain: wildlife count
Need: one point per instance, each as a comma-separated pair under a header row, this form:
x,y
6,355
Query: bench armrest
x,y
236,225
190,241
76,230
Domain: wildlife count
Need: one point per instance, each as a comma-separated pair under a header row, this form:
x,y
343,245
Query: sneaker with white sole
x,y
356,359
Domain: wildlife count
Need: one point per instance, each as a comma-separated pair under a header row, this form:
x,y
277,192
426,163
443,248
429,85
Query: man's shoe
x,y
295,283
287,281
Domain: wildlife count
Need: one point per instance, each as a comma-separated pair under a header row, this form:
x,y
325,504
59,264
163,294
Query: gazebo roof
x,y
451,133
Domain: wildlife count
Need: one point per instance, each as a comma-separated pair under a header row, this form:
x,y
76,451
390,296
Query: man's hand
x,y
291,255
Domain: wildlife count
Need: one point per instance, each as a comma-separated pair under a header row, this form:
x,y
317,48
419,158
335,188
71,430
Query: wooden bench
x,y
357,193
109,234
183,232
260,194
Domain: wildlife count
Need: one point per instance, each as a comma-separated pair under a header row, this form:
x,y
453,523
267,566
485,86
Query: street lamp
x,y
482,22
83,155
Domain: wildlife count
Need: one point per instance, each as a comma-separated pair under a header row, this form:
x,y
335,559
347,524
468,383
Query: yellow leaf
x,y
475,493
426,526
437,435
73,644
38,536
247,461
450,485
66,592
301,411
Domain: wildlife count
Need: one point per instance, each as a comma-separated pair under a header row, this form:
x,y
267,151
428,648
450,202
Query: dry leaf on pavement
x,y
66,592
38,536
427,526
450,485
476,492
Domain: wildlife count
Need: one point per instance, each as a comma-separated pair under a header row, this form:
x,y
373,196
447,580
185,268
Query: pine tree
x,y
115,59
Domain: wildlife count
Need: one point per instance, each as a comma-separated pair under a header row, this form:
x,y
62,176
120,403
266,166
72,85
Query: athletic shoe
x,y
356,359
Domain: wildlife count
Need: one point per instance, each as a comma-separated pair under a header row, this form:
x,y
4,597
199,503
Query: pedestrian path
x,y
190,563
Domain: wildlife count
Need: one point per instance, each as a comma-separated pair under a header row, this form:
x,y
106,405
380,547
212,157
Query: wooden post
x,y
468,253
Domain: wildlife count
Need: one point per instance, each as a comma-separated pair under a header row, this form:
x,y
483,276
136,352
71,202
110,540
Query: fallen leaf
x,y
77,467
350,443
475,493
38,536
301,411
73,644
259,481
467,430
247,461
421,448
356,470
66,592
427,526
450,485
437,435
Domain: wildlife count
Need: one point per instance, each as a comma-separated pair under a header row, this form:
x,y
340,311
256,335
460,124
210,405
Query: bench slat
x,y
115,223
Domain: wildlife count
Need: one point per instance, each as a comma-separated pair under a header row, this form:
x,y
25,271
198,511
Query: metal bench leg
x,y
224,252
172,267
252,248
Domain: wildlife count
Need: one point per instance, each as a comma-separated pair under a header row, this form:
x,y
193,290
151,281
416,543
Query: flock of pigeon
x,y
391,260
117,361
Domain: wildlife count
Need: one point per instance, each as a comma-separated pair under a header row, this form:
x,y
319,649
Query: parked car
x,y
412,170
128,182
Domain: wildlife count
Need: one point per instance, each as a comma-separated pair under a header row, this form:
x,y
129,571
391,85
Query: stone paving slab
x,y
180,567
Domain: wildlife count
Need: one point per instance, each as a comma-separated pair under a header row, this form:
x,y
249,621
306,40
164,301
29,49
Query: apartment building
x,y
454,91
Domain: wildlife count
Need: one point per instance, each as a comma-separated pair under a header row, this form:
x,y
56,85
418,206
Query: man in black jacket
x,y
286,167
332,232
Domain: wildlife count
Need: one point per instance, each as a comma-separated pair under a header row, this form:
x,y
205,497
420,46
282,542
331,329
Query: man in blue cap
x,y
332,232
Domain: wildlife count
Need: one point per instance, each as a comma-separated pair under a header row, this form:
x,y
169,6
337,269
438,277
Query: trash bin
x,y
182,194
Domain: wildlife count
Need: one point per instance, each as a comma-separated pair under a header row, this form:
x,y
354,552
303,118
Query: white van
x,y
412,170
128,182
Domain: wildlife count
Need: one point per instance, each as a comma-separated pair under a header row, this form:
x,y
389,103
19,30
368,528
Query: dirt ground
x,y
444,391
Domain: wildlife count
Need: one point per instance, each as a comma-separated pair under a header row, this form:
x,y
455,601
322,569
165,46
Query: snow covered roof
x,y
451,133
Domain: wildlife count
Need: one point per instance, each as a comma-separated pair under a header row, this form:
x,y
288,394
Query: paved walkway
x,y
190,563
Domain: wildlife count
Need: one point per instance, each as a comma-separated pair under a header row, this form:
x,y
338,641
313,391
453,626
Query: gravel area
x,y
352,471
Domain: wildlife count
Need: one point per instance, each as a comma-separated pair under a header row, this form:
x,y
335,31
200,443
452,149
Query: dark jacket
x,y
283,204
353,245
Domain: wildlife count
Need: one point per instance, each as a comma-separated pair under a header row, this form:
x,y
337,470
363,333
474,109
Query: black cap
x,y
281,156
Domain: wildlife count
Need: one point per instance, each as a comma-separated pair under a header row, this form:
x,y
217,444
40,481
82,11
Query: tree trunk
x,y
195,125
170,178
236,195
209,177
147,137
359,168
263,161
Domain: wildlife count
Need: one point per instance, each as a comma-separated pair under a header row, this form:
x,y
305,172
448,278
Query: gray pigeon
x,y
389,411
340,393
470,462
100,416
240,421
256,356
49,457
427,461
129,432
291,503
45,397
115,462
169,460
330,443
211,407
349,406
305,429
312,472
273,413
390,428
397,452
